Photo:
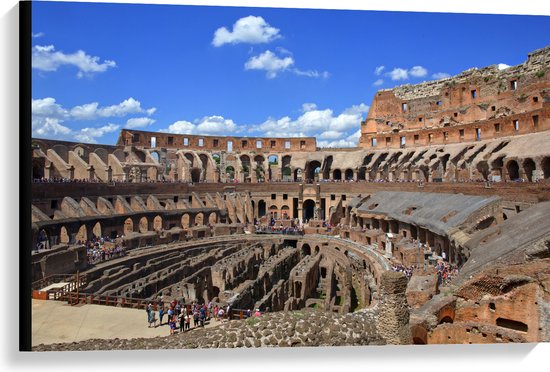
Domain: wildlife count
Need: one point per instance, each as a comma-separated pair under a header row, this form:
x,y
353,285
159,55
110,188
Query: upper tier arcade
x,y
476,104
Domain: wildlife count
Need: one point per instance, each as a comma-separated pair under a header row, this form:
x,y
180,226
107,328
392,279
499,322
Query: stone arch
x,y
213,218
185,221
348,174
120,155
204,161
528,167
152,173
273,159
287,173
199,219
419,335
337,174
128,226
217,158
80,151
309,209
513,169
306,250
143,225
316,249
157,223
245,162
545,165
285,161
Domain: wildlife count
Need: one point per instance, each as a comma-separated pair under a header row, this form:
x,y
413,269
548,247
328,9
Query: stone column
x,y
393,323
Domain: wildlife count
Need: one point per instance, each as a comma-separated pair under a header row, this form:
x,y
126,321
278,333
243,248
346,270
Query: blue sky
x,y
98,68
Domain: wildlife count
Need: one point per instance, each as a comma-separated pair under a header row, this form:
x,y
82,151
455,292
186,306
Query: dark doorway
x,y
309,208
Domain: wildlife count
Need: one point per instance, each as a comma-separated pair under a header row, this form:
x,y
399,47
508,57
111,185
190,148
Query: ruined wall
x,y
476,104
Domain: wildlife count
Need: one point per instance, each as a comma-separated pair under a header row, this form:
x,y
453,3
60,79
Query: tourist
x,y
187,321
161,314
257,313
151,315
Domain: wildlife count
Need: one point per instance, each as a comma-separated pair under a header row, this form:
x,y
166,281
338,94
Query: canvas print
x,y
238,177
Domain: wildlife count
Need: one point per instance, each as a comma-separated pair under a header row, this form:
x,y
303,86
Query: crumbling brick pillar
x,y
393,323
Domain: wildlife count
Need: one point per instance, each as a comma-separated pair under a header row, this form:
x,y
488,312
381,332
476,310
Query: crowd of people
x,y
408,271
103,248
445,272
179,316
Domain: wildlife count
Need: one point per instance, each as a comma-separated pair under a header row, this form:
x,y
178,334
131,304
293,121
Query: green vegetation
x,y
539,74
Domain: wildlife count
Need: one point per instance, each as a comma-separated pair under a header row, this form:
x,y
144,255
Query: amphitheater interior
x,y
453,174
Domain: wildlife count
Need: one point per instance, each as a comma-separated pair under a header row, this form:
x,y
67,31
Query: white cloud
x,y
37,35
269,62
399,74
251,29
378,70
378,82
308,107
88,111
208,125
46,58
314,122
273,65
138,122
502,66
440,75
418,71
48,116
349,141
89,135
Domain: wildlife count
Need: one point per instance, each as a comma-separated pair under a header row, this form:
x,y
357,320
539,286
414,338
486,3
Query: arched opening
x,y
348,174
273,212
546,167
309,209
419,335
157,223
195,175
245,162
261,208
128,226
446,319
190,158
230,171
337,174
306,250
185,221
287,174
483,169
362,174
217,158
273,159
285,212
199,219
513,170
312,170
212,218
298,174
143,225
529,167
140,155
316,249
42,240
485,223
155,156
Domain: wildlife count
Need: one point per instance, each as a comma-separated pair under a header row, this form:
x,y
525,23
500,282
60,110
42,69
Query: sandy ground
x,y
56,321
